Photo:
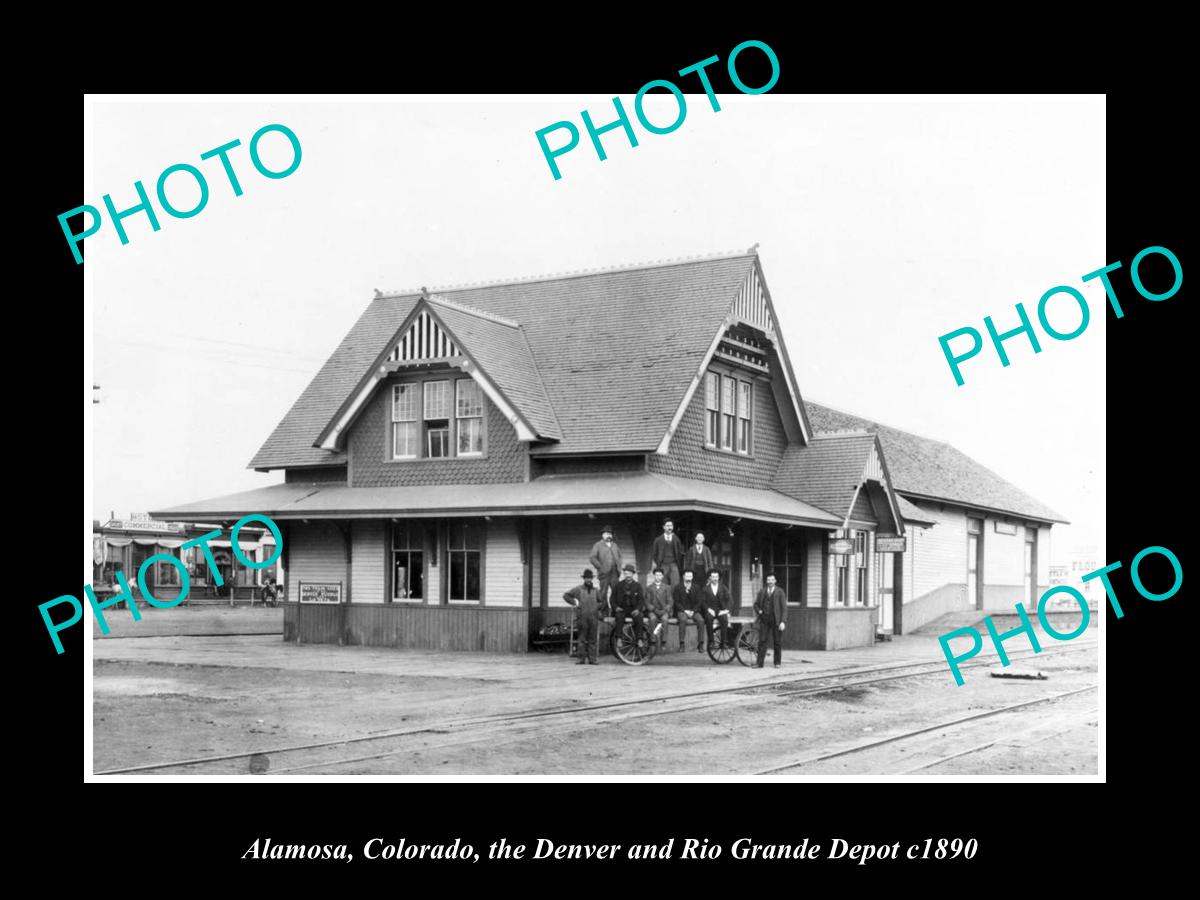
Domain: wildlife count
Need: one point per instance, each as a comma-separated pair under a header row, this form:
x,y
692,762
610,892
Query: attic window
x,y
728,413
438,419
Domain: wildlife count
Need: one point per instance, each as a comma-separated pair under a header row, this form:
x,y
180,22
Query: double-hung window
x,y
712,406
745,397
469,417
437,419
464,551
406,438
728,413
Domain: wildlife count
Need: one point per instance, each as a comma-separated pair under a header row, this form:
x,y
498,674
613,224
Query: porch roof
x,y
550,495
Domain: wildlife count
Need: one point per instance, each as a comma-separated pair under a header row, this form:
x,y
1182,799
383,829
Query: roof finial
x,y
378,293
753,249
425,292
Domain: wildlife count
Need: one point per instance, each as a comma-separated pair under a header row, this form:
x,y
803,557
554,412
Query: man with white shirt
x,y
715,604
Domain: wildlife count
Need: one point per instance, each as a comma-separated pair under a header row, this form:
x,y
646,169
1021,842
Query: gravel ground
x,y
177,697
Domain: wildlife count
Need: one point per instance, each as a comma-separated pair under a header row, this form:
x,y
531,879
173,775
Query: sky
x,y
881,224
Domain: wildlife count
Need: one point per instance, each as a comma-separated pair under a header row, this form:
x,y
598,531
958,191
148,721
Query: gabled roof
x,y
837,472
291,443
827,472
503,353
616,352
923,468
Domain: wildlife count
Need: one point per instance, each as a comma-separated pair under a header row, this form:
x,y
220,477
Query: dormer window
x,y
728,413
437,419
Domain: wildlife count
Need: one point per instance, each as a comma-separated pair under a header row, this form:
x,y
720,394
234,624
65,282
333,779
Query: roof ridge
x,y
877,424
472,310
841,434
577,273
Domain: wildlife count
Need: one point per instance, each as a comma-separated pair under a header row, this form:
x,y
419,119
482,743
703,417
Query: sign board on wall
x,y
890,544
841,546
318,592
1005,527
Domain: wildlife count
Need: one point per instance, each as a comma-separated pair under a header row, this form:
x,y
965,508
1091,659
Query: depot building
x,y
449,468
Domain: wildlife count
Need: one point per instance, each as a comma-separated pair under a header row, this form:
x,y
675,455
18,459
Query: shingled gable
x,y
752,306
832,470
617,352
493,350
925,469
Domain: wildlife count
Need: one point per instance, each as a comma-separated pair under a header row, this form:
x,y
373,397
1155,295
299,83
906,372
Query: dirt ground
x,y
176,697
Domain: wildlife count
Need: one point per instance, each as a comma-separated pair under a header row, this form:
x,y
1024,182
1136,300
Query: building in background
x,y
449,468
124,544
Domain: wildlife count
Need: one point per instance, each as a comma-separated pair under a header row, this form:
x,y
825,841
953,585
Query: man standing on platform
x,y
606,560
699,559
687,609
628,601
770,608
716,603
586,600
668,551
658,606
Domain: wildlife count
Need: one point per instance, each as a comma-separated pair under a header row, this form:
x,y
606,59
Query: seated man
x,y
687,609
628,601
658,605
716,603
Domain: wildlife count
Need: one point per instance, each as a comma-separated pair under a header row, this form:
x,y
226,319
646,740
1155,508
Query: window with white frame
x,y
469,417
406,438
745,397
712,405
728,413
437,419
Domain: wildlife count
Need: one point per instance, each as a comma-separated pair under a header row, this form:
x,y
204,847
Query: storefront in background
x,y
125,544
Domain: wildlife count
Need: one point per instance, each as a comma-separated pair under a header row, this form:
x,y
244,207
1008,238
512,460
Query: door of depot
x,y
886,591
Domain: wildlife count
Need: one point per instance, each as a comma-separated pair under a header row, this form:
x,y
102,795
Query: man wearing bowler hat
x,y
668,552
687,609
628,602
606,560
586,600
658,605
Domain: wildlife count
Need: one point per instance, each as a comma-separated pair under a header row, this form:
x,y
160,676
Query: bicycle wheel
x,y
721,652
747,645
627,649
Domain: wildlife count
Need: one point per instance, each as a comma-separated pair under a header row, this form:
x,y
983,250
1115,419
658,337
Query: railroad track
x,y
487,728
908,735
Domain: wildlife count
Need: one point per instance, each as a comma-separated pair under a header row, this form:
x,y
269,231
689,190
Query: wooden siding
x,y
438,627
369,561
504,577
940,552
423,340
812,570
750,304
571,541
317,553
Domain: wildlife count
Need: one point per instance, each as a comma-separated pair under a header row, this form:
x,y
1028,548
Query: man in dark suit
x,y
658,606
699,559
687,609
770,608
628,600
668,553
715,604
